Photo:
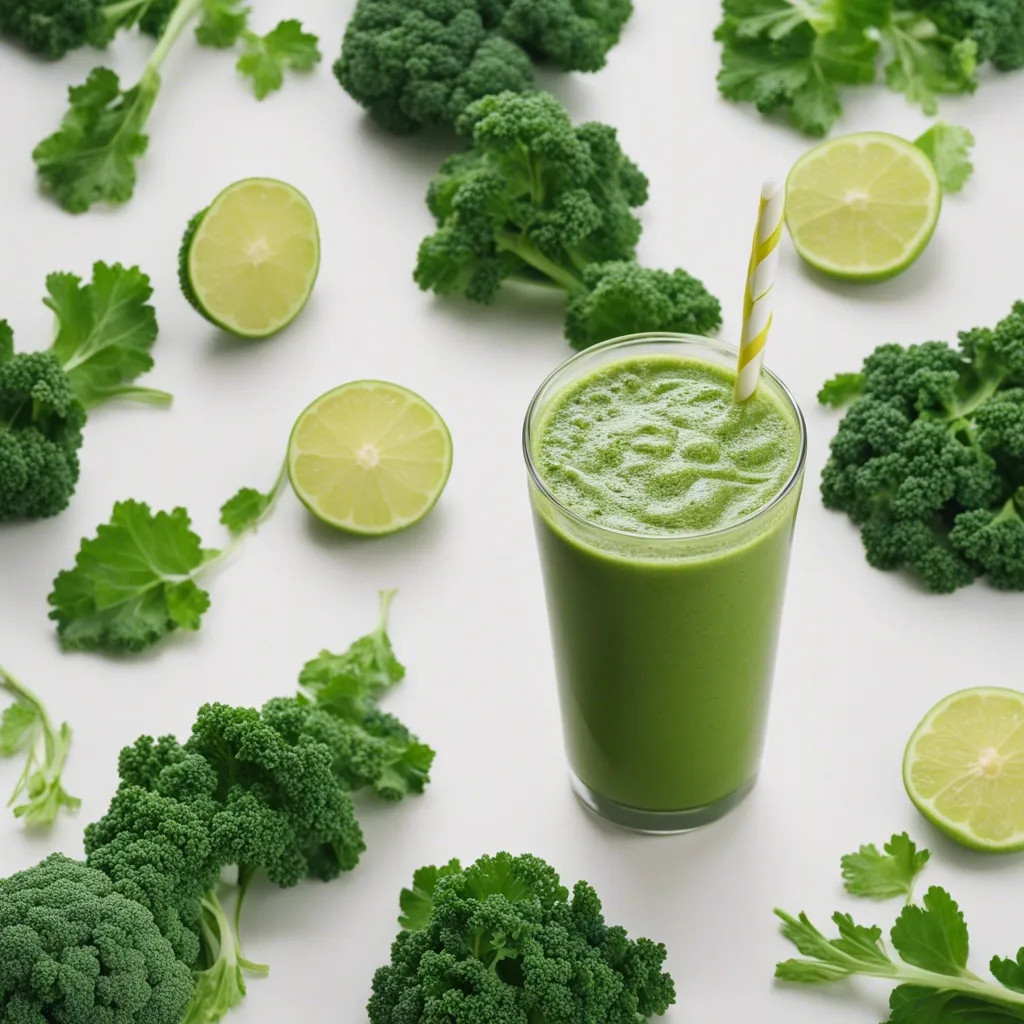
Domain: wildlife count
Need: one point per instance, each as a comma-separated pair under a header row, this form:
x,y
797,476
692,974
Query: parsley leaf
x,y
91,158
925,63
266,57
948,147
882,876
788,58
25,728
1009,972
223,23
132,584
418,902
841,389
105,332
934,937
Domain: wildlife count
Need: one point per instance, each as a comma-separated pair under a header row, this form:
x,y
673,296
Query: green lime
x,y
249,261
370,457
964,768
862,206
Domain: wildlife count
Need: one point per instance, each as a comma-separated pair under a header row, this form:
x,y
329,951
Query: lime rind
x,y
187,272
916,761
912,248
397,523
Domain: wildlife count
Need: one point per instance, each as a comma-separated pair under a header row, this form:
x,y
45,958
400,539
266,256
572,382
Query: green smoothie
x,y
664,514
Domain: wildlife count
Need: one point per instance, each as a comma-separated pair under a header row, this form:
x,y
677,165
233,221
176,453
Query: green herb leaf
x,y
882,876
857,947
934,937
245,510
841,389
91,158
266,57
948,147
6,341
927,64
132,584
105,332
365,670
17,725
222,24
1009,972
911,1004
418,902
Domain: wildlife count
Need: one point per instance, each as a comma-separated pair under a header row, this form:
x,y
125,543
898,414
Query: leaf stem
x,y
183,14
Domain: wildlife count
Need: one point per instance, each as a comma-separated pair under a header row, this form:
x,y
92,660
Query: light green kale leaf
x,y
948,146
105,331
266,57
91,157
133,583
882,876
926,64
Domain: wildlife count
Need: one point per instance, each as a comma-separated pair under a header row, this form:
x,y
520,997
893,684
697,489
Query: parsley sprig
x,y
926,955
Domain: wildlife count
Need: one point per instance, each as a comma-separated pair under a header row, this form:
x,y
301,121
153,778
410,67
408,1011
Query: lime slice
x,y
249,261
863,206
964,768
370,457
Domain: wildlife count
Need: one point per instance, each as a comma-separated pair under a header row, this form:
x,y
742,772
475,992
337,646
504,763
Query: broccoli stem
x,y
529,253
1012,509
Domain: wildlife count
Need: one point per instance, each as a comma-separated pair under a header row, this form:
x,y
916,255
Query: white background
x,y
863,654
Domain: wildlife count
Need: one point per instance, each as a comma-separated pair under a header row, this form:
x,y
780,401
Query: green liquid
x,y
665,663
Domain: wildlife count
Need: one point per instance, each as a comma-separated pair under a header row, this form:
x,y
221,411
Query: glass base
x,y
661,823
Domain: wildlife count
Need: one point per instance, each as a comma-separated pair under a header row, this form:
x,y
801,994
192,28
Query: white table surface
x,y
863,654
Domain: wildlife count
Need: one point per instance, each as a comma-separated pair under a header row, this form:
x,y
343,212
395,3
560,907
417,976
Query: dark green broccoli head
x,y
419,63
502,943
996,26
574,35
621,298
51,28
41,424
535,199
281,807
994,542
75,951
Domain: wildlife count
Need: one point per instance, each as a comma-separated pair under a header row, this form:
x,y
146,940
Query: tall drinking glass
x,y
664,515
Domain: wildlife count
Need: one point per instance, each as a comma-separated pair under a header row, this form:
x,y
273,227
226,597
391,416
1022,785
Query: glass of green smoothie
x,y
664,513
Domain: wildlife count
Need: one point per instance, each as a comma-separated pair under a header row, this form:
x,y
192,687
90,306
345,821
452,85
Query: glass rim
x,y
625,342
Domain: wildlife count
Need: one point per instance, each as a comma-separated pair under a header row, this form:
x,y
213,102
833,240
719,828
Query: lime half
x,y
249,261
964,768
370,457
862,206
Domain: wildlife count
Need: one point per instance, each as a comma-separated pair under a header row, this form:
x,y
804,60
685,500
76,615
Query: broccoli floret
x,y
501,943
41,424
419,63
540,201
929,454
51,28
74,950
621,298
575,35
995,26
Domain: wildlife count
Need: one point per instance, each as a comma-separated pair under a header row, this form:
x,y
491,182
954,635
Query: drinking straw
x,y
757,310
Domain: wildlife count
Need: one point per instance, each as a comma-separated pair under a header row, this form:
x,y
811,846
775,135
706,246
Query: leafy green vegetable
x,y
929,460
882,876
138,579
501,942
934,984
419,63
105,331
539,201
948,147
792,58
92,157
25,728
266,57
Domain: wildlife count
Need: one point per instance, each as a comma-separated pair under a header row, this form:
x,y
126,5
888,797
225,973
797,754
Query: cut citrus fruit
x,y
964,768
370,457
862,206
249,261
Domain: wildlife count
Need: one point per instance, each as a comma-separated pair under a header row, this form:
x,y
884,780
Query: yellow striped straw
x,y
757,308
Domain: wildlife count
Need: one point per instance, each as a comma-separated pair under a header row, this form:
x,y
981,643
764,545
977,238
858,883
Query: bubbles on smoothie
x,y
658,446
